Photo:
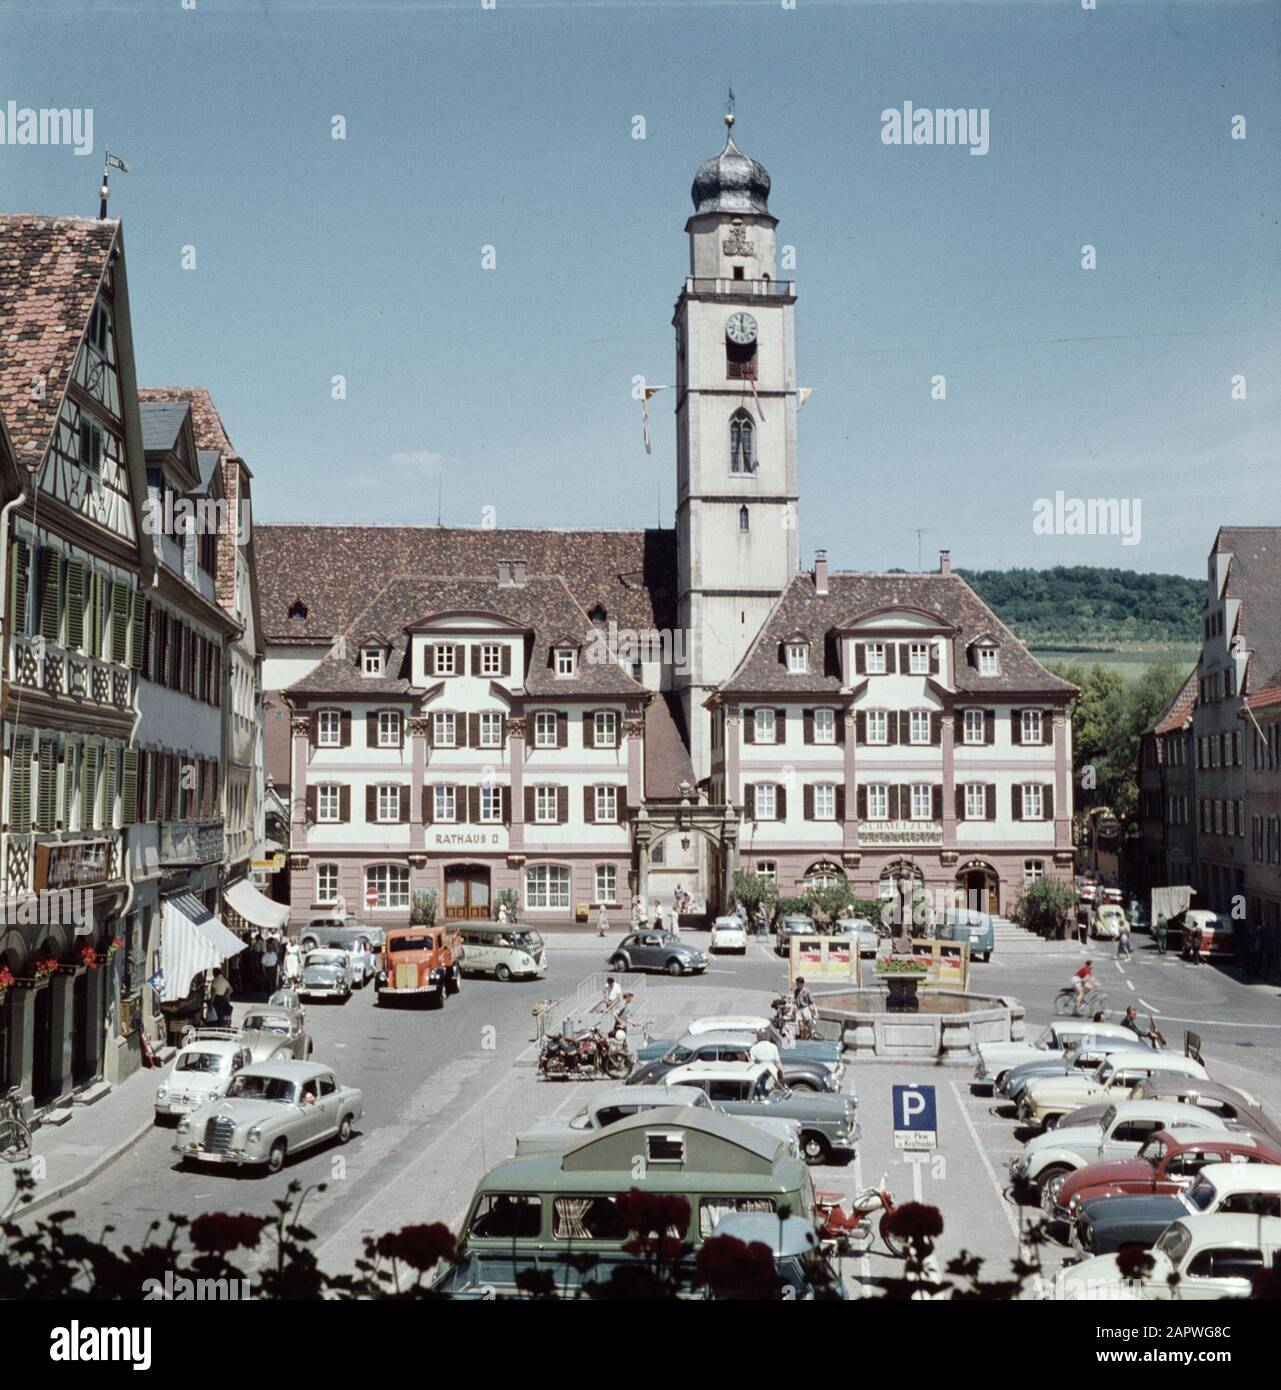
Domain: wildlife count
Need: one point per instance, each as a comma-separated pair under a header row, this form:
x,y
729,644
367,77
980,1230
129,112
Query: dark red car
x,y
1166,1163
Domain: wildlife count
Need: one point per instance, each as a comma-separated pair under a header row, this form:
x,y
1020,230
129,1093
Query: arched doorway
x,y
467,891
42,1089
84,1061
978,887
823,874
688,859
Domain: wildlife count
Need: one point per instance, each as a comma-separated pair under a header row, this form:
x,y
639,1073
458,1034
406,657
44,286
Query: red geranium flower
x,y
420,1247
655,1213
916,1223
731,1268
217,1232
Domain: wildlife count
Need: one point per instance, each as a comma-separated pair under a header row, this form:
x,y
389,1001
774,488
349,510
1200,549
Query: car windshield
x,y
215,1063
251,1087
1048,1039
524,940
1103,1072
1175,1242
1202,1194
409,943
325,958
1153,1151
268,1023
769,1088
680,1055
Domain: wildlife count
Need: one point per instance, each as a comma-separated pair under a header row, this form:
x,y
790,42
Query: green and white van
x,y
506,950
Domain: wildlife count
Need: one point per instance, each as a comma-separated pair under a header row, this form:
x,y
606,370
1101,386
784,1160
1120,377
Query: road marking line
x,y
987,1164
1218,1023
1151,1008
1129,984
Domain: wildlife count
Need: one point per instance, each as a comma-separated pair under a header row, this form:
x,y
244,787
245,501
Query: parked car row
x,y
1140,1149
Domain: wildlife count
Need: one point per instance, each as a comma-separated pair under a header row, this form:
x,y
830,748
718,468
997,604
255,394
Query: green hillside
x,y
1080,608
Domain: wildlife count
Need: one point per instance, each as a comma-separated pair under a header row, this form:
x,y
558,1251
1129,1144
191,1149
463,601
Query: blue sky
x,y
512,128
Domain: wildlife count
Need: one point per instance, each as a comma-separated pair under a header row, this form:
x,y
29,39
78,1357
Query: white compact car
x,y
729,934
202,1071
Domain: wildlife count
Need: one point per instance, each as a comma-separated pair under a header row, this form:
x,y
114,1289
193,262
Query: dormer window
x,y
566,661
989,663
875,658
798,658
371,661
297,609
444,663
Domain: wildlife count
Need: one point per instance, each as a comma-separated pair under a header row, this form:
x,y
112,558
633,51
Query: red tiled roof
x,y
1178,711
801,609
333,570
667,760
50,272
543,606
211,434
1254,577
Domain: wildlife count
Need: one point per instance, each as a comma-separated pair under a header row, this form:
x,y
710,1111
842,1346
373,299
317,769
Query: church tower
x,y
735,430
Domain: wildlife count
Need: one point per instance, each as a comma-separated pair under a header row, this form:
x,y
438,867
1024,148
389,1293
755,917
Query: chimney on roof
x,y
820,573
945,562
511,574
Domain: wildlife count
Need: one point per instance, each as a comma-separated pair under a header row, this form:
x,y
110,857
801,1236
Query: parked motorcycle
x,y
851,1232
586,1056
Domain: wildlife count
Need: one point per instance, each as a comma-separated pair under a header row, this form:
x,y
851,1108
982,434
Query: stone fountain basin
x,y
947,1027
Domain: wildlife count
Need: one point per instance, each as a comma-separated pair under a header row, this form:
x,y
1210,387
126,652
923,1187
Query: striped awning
x,y
256,908
192,940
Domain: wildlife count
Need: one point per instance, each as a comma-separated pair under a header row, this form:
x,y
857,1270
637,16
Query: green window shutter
x,y
89,788
111,785
119,621
129,788
68,782
75,603
20,786
136,615
92,620
47,790
50,594
19,584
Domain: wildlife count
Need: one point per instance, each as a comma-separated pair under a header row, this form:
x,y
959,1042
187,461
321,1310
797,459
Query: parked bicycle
x,y
15,1133
1066,1002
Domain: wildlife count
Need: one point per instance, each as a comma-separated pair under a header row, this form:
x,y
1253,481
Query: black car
x,y
1104,1224
799,1073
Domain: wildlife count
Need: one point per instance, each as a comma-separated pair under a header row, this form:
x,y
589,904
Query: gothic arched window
x,y
742,443
743,522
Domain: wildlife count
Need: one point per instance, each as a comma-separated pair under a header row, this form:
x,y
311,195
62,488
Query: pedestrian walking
x,y
602,921
292,962
220,999
270,964
1161,932
1123,946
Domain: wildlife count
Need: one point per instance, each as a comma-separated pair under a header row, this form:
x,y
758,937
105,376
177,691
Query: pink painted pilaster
x,y
300,731
733,733
849,829
1062,781
516,756
948,740
418,776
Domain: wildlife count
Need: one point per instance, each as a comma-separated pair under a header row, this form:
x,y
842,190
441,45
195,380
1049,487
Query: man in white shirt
x,y
762,1050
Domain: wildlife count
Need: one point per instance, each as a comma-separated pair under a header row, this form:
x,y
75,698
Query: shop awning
x,y
256,908
192,940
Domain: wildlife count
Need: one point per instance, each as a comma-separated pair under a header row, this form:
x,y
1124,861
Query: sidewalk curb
x,y
87,1175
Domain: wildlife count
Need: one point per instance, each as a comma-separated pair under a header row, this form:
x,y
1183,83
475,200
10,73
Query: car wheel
x,y
344,1130
619,963
1052,1122
501,972
674,967
1052,1177
814,1148
438,999
276,1158
807,1086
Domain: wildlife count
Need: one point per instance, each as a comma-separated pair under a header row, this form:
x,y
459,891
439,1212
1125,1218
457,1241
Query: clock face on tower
x,y
740,328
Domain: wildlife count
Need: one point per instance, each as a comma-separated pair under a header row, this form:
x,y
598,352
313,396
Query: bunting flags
x,y
645,395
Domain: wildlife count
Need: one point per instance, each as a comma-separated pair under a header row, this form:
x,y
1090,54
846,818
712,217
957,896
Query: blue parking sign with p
x,y
915,1117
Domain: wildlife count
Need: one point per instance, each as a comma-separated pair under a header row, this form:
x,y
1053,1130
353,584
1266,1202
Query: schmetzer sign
x,y
899,832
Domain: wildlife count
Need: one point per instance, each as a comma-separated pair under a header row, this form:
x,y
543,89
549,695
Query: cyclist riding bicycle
x,y
1084,980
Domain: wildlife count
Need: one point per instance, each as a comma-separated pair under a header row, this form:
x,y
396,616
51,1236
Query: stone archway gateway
x,y
979,887
467,892
686,821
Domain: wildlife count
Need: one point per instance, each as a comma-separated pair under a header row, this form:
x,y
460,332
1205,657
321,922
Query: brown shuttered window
x,y
473,731
562,805
891,666
749,800
840,803
1016,801
860,658
589,805
344,728
529,805
934,658
807,726
780,726
861,726
989,799
892,798
1016,726
989,726
371,729
311,805
749,726
506,659
1047,802
860,800
937,800
344,804
960,803
780,803
807,802
371,804
562,729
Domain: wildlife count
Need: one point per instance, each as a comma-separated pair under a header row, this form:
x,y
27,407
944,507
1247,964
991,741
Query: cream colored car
x,y
1047,1100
